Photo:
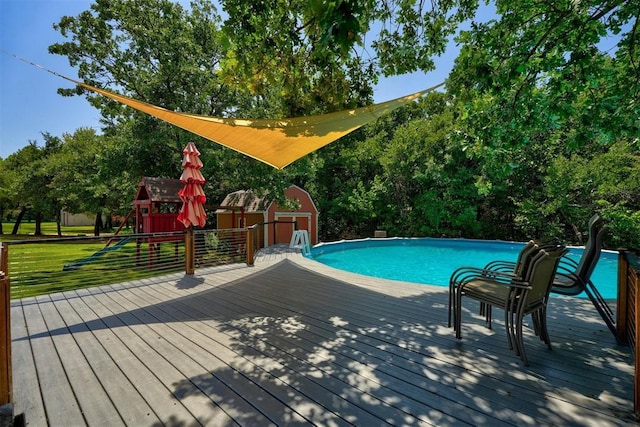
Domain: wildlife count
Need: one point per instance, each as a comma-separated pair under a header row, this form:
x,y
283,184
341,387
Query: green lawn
x,y
51,265
45,264
38,267
27,230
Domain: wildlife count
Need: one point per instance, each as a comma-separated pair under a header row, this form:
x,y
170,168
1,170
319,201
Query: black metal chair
x,y
573,277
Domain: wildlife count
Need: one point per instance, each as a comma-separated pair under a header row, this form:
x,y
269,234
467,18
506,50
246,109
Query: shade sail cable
x,y
276,142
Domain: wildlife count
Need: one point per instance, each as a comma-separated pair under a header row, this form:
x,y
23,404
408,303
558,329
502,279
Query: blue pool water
x,y
431,261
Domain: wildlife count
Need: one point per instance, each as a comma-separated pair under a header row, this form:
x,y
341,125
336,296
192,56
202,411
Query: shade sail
x,y
275,142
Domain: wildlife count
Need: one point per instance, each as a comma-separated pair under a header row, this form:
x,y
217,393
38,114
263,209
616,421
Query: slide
x,y
77,264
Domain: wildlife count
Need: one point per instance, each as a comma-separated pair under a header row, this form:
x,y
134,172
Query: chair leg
x,y
451,291
457,314
508,326
542,321
520,341
485,310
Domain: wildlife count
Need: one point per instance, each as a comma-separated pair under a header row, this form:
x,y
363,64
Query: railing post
x,y
6,386
636,352
633,274
275,232
628,313
622,328
250,246
189,247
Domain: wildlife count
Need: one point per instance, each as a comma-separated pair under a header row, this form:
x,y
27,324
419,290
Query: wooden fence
x,y
628,318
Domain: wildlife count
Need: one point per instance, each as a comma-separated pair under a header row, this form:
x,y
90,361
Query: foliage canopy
x,y
539,126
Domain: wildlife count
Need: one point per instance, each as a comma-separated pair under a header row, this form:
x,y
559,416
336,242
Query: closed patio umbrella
x,y
191,194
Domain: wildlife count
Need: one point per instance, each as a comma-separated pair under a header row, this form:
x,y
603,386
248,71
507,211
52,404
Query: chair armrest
x,y
500,265
568,263
520,284
570,276
466,274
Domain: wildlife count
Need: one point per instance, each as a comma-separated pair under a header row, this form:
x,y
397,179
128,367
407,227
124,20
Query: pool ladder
x,y
300,240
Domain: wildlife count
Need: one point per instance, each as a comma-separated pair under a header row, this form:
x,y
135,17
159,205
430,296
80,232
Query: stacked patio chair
x,y
573,277
520,292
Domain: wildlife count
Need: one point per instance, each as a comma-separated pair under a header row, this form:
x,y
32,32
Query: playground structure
x,y
155,214
156,206
84,261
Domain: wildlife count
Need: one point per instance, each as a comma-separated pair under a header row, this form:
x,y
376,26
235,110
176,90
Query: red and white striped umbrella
x,y
191,194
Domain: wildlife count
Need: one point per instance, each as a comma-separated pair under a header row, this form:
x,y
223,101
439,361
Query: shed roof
x,y
164,190
245,199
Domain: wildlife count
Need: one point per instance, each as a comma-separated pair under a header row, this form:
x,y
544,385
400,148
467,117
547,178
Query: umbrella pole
x,y
189,245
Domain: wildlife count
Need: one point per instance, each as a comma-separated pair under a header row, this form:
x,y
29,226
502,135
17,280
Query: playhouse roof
x,y
164,190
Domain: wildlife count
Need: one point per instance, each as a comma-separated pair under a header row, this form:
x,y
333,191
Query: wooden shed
x,y
157,205
279,223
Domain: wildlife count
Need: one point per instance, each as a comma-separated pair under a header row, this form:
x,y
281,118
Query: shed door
x,y
285,228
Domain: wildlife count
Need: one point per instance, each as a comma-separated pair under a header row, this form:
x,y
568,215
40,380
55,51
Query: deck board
x,y
98,407
293,342
26,388
112,361
265,363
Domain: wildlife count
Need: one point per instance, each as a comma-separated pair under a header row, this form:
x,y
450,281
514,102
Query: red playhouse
x,y
156,207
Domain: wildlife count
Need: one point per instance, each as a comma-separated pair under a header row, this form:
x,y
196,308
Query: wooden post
x,y
628,313
250,245
622,327
633,274
275,232
6,386
636,352
190,251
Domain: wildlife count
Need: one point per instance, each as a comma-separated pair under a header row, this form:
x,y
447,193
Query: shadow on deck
x,y
293,342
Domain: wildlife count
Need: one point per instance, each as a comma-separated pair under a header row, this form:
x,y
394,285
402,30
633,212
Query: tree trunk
x,y
1,216
97,224
58,213
16,226
38,231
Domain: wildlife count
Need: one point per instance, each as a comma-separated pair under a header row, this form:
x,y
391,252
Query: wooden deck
x,y
292,342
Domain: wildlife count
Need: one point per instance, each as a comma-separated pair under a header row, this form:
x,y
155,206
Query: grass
x,y
48,229
42,268
27,230
44,264
40,264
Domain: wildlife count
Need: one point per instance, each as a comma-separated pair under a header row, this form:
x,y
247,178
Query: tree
x,y
331,36
77,180
6,178
30,183
155,51
529,88
538,71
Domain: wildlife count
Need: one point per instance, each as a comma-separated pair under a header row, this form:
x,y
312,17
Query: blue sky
x,y
29,104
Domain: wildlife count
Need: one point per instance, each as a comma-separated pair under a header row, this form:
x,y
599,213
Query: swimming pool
x,y
431,260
